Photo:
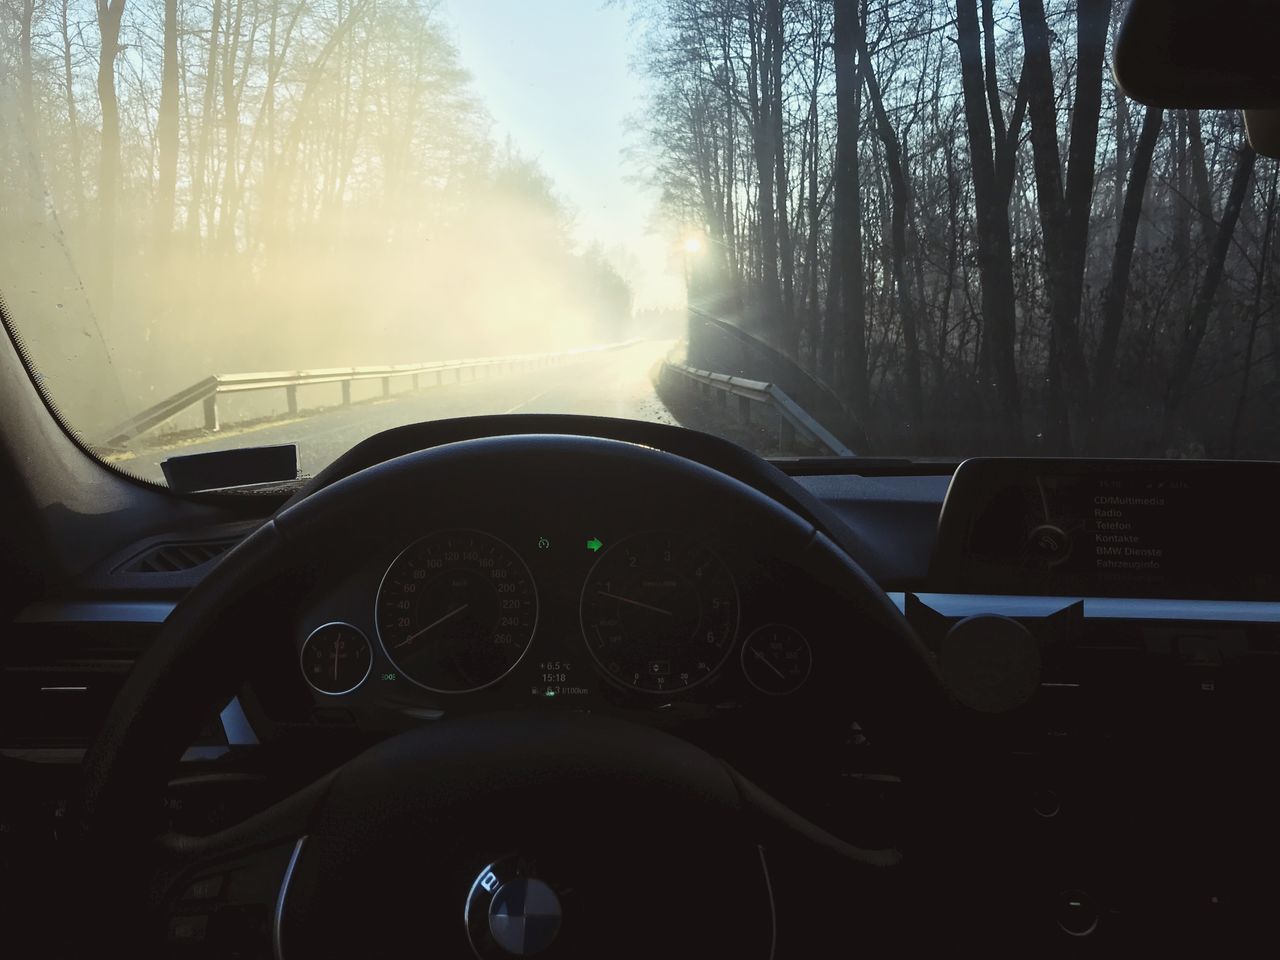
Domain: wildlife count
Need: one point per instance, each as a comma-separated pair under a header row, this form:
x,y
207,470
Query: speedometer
x,y
456,611
659,612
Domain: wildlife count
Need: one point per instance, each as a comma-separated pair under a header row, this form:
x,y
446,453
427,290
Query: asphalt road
x,y
614,383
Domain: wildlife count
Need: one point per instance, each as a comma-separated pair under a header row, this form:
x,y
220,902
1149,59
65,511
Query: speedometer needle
x,y
435,623
635,603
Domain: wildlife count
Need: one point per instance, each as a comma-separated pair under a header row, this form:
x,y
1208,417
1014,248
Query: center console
x,y
1114,631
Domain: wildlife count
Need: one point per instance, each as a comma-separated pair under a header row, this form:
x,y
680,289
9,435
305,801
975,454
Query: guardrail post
x,y
211,412
786,433
415,382
457,374
291,398
346,393
744,409
386,386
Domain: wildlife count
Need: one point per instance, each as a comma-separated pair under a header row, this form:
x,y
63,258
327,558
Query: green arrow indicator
x,y
594,544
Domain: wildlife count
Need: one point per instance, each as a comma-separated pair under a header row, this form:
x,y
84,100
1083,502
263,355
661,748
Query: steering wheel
x,y
485,835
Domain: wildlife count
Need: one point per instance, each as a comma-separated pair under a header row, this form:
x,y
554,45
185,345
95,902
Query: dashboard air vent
x,y
173,557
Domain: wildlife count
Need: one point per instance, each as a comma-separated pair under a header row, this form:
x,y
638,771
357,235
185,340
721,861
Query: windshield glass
x,y
816,227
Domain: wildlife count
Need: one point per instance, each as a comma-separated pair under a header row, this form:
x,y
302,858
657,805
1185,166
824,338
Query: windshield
x,y
816,227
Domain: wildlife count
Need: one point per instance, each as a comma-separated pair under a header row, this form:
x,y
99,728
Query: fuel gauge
x,y
777,659
336,658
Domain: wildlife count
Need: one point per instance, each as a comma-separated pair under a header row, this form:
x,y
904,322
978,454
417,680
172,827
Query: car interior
x,y
585,686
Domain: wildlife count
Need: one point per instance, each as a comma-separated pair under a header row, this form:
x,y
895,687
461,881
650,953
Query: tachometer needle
x,y
635,603
435,623
769,663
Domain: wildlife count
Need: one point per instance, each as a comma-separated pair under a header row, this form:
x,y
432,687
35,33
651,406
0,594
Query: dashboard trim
x,y
277,919
96,611
1097,608
236,726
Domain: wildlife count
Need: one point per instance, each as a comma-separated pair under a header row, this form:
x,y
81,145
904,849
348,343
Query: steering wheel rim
x,y
157,712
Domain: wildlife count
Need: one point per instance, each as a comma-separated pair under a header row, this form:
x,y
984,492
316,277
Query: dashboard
x,y
1127,705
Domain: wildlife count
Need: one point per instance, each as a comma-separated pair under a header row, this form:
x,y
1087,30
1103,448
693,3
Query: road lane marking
x,y
525,403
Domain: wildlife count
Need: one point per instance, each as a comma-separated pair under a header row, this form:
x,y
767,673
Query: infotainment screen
x,y
1111,528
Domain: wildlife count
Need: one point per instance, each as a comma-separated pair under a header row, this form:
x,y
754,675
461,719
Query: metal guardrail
x,y
792,418
437,373
720,343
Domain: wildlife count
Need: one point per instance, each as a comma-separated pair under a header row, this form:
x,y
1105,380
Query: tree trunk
x,y
995,249
989,72
167,129
846,302
109,14
30,129
954,243
900,196
759,74
1064,210
1198,318
812,307
231,113
264,125
788,332
1260,273
1200,177
1181,243
1113,299
26,75
1122,153
73,124
207,123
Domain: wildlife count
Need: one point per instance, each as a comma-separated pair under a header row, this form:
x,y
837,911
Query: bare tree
x,y
1065,209
167,126
1197,322
1113,302
109,14
995,248
901,199
846,311
69,93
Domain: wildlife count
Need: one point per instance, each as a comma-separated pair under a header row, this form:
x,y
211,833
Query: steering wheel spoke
x,y
223,894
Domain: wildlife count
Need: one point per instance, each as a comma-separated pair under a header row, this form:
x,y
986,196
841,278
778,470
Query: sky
x,y
557,77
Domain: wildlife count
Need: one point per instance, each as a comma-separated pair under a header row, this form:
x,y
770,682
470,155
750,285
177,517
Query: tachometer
x,y
456,611
659,612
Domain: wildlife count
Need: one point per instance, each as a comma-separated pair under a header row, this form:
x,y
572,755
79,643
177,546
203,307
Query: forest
x,y
951,215
945,210
239,185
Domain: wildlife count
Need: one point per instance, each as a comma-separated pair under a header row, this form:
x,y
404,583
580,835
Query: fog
x,y
291,186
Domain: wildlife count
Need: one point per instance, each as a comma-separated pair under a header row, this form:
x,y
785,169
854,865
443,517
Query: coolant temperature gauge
x,y
777,659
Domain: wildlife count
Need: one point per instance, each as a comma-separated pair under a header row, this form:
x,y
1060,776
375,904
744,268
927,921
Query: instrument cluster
x,y
465,616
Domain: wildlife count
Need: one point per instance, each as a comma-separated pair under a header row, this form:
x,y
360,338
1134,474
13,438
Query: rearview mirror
x,y
1201,54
